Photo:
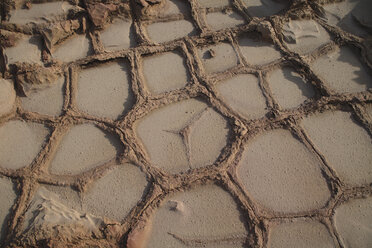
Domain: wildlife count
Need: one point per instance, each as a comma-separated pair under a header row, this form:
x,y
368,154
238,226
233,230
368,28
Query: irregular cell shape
x,y
218,58
165,72
304,36
116,193
261,8
48,215
83,147
213,3
353,222
183,135
205,215
173,7
301,233
346,145
27,49
243,94
257,52
167,31
7,96
8,197
280,173
343,15
225,19
343,71
74,48
47,101
20,142
288,87
118,35
40,13
104,91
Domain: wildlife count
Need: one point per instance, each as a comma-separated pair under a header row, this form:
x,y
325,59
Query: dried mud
x,y
88,17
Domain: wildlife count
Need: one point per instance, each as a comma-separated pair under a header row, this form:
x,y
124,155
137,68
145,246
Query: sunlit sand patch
x,y
345,144
20,136
301,233
281,174
84,147
353,221
243,94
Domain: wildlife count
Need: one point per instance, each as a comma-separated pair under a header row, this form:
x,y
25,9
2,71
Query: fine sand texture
x,y
185,123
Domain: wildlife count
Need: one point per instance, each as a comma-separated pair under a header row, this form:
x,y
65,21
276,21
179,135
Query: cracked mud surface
x,y
185,123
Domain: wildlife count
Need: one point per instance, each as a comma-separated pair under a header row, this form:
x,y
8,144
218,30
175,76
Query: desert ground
x,y
186,123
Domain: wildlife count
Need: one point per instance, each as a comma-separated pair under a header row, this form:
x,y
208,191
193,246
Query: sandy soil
x,y
174,123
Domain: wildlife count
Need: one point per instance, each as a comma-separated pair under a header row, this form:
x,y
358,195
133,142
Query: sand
x,y
205,216
293,174
288,88
39,13
345,144
8,197
300,234
224,19
343,71
218,58
304,36
165,72
172,123
183,135
242,93
353,220
104,91
48,101
7,96
257,52
166,31
84,147
20,136
118,35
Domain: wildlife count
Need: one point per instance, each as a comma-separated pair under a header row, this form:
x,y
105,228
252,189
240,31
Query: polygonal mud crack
x,y
256,51
346,145
167,31
300,233
165,72
206,216
76,47
47,100
27,49
281,174
304,36
343,71
353,221
261,8
20,136
8,197
105,91
243,94
218,58
224,19
183,135
7,96
83,147
288,88
118,35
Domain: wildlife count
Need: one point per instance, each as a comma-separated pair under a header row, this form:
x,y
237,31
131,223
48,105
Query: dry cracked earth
x,y
186,123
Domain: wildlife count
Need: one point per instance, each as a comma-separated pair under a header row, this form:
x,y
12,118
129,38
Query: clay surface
x,y
118,35
7,96
221,20
166,31
7,191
